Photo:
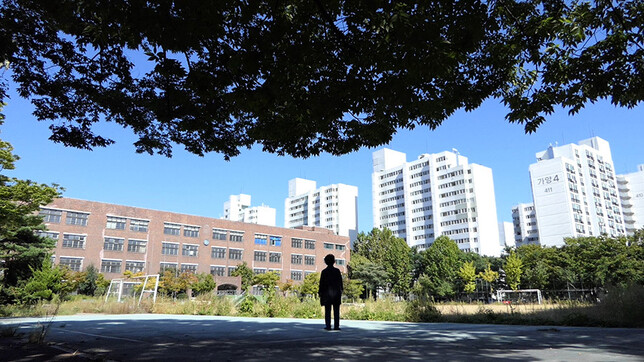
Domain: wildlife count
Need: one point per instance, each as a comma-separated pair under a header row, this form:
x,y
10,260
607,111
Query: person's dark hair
x,y
329,259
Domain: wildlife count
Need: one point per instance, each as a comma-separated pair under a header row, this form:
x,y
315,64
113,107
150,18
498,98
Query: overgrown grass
x,y
620,307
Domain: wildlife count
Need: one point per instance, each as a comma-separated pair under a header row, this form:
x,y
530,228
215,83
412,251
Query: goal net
x,y
521,296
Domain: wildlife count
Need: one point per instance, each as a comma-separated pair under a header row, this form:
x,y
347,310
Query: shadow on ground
x,y
159,337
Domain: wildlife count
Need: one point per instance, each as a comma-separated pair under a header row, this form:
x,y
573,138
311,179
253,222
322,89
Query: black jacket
x,y
330,290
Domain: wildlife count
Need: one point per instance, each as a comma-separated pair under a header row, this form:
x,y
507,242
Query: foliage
x,y
46,283
246,273
372,275
219,76
467,273
310,285
440,263
353,288
383,248
286,286
21,250
513,269
91,281
172,282
204,283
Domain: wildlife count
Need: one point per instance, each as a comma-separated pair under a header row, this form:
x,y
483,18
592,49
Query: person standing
x,y
330,292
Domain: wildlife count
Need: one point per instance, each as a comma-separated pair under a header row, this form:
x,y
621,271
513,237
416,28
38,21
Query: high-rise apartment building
x,y
334,207
238,208
506,234
118,238
524,220
437,194
631,193
575,192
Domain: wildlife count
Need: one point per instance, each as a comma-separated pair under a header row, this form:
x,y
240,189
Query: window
x,y
217,271
218,234
74,264
296,243
296,258
276,240
260,256
218,253
309,244
235,254
114,222
339,247
259,270
168,266
190,250
50,215
139,225
340,261
114,244
170,248
134,266
48,234
275,257
309,260
191,231
189,268
136,246
328,246
237,236
261,239
231,270
77,218
110,266
74,241
296,275
171,229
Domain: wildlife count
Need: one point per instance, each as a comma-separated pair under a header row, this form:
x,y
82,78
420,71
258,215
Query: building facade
x,y
631,194
117,238
238,208
334,207
575,192
524,221
437,194
506,235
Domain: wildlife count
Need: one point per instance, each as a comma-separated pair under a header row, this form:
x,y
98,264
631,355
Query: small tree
x,y
310,285
467,273
46,282
353,288
286,287
242,270
205,283
268,282
87,280
513,270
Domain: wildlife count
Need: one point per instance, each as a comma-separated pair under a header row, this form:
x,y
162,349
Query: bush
x,y
423,310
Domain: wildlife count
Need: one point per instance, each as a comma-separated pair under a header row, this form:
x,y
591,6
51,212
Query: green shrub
x,y
423,310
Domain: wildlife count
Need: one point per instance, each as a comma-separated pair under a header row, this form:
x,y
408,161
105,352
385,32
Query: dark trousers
x,y
336,315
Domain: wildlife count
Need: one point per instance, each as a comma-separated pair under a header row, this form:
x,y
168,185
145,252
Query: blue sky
x,y
197,185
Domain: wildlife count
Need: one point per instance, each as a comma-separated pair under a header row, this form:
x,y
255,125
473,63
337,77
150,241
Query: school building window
x,y
170,248
113,244
77,218
117,223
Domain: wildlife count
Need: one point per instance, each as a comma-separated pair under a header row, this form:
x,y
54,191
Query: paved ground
x,y
179,337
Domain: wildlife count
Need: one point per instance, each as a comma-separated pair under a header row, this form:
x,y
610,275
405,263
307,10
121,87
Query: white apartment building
x,y
631,193
506,234
575,192
334,207
238,208
437,194
524,220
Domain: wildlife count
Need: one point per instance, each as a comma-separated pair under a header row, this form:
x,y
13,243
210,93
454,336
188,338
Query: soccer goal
x,y
126,288
521,296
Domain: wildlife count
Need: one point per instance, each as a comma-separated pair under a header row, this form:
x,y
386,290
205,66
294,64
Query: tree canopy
x,y
22,248
304,77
